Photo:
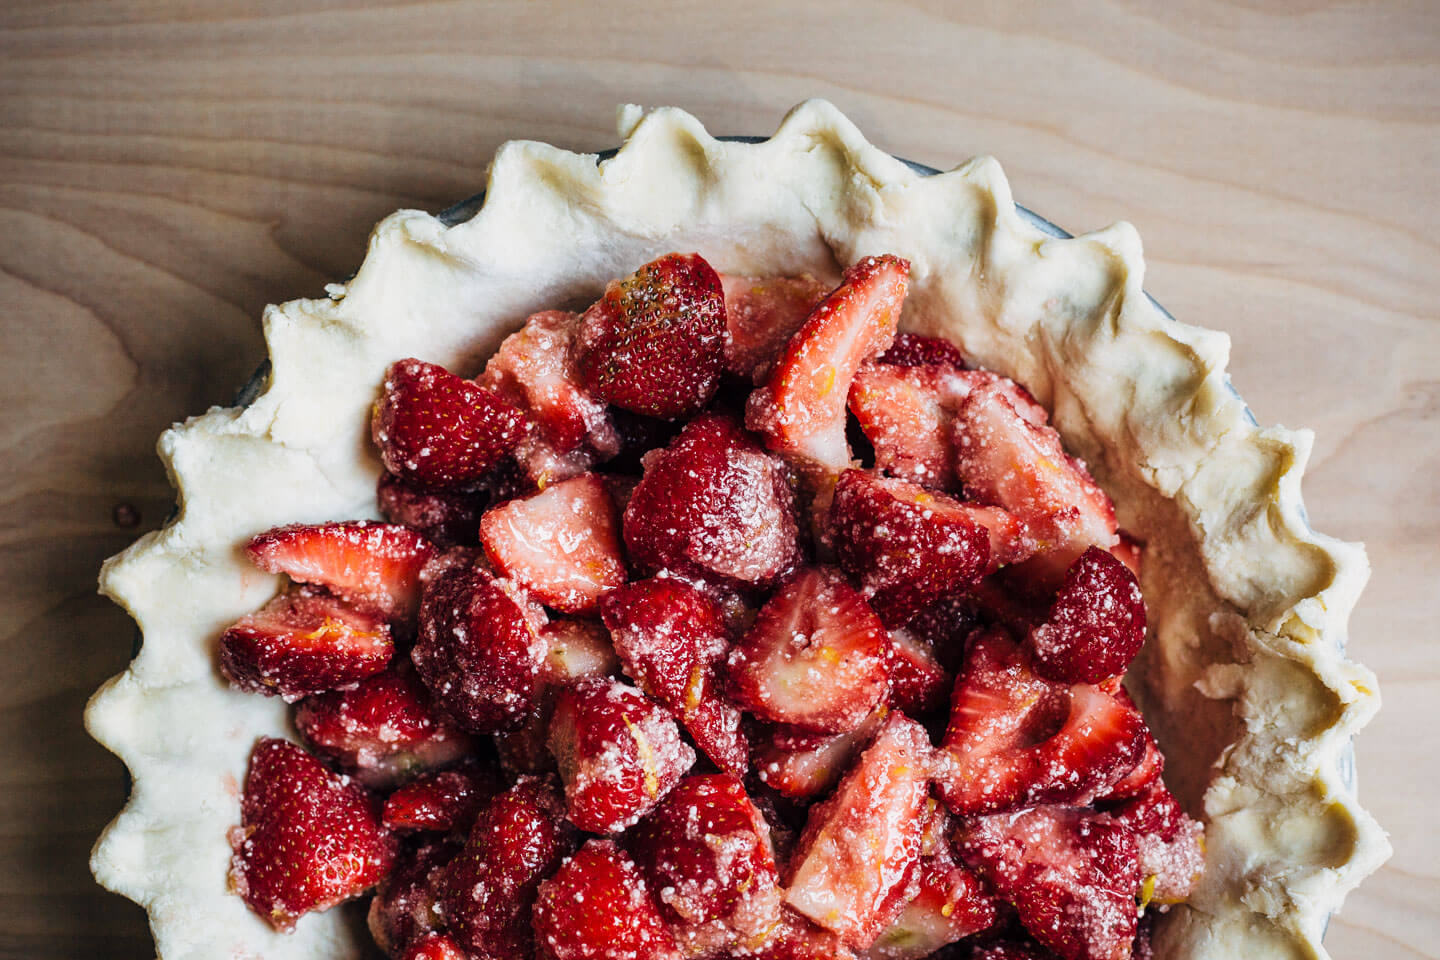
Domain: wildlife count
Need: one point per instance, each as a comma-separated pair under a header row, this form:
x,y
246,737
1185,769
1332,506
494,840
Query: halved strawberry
x,y
440,430
446,518
436,946
861,843
919,685
916,350
597,906
383,729
487,891
1016,740
714,504
761,314
654,343
308,838
706,852
575,649
563,543
906,546
671,637
403,910
1171,851
1071,874
371,565
801,408
1096,624
443,801
801,765
816,656
303,643
906,413
793,938
949,904
1146,772
618,753
479,650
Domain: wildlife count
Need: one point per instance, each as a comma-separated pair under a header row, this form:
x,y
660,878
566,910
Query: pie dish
x,y
1244,677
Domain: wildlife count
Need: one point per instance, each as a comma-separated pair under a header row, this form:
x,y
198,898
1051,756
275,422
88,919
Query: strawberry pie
x,y
737,551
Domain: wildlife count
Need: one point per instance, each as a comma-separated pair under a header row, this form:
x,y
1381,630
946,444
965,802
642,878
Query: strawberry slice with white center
x,y
802,765
1015,740
562,543
598,906
761,314
1071,874
301,644
816,657
308,838
950,903
801,408
862,842
371,565
575,649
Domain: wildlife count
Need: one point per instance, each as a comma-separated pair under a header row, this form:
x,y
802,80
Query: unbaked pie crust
x,y
1244,678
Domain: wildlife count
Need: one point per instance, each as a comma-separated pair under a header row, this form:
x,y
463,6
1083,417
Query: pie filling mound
x,y
718,620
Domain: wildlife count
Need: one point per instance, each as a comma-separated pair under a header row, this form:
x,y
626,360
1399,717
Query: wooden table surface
x,y
168,168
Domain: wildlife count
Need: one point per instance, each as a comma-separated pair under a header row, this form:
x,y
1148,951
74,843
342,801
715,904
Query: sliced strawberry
x,y
487,891
303,643
1071,874
906,414
801,765
816,656
443,801
671,637
598,907
371,565
1016,740
1096,624
1146,772
446,518
563,543
479,649
862,842
714,504
654,344
575,649
706,852
793,938
919,685
618,753
906,546
949,904
1171,847
383,729
403,910
436,946
439,430
761,314
308,838
801,408
915,350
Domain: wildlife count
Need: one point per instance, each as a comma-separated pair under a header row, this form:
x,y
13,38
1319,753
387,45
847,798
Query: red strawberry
x,y
1146,772
802,765
816,656
487,891
479,649
919,685
906,546
618,753
801,409
443,801
437,946
575,649
382,729
949,904
598,907
761,314
403,910
1071,874
1008,950
1172,854
371,565
671,637
793,938
906,414
308,838
562,543
706,852
444,517
439,430
915,350
1096,624
862,842
714,504
654,344
1016,740
302,643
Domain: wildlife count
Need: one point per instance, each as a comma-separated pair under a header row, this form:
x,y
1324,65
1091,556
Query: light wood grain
x,y
166,169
